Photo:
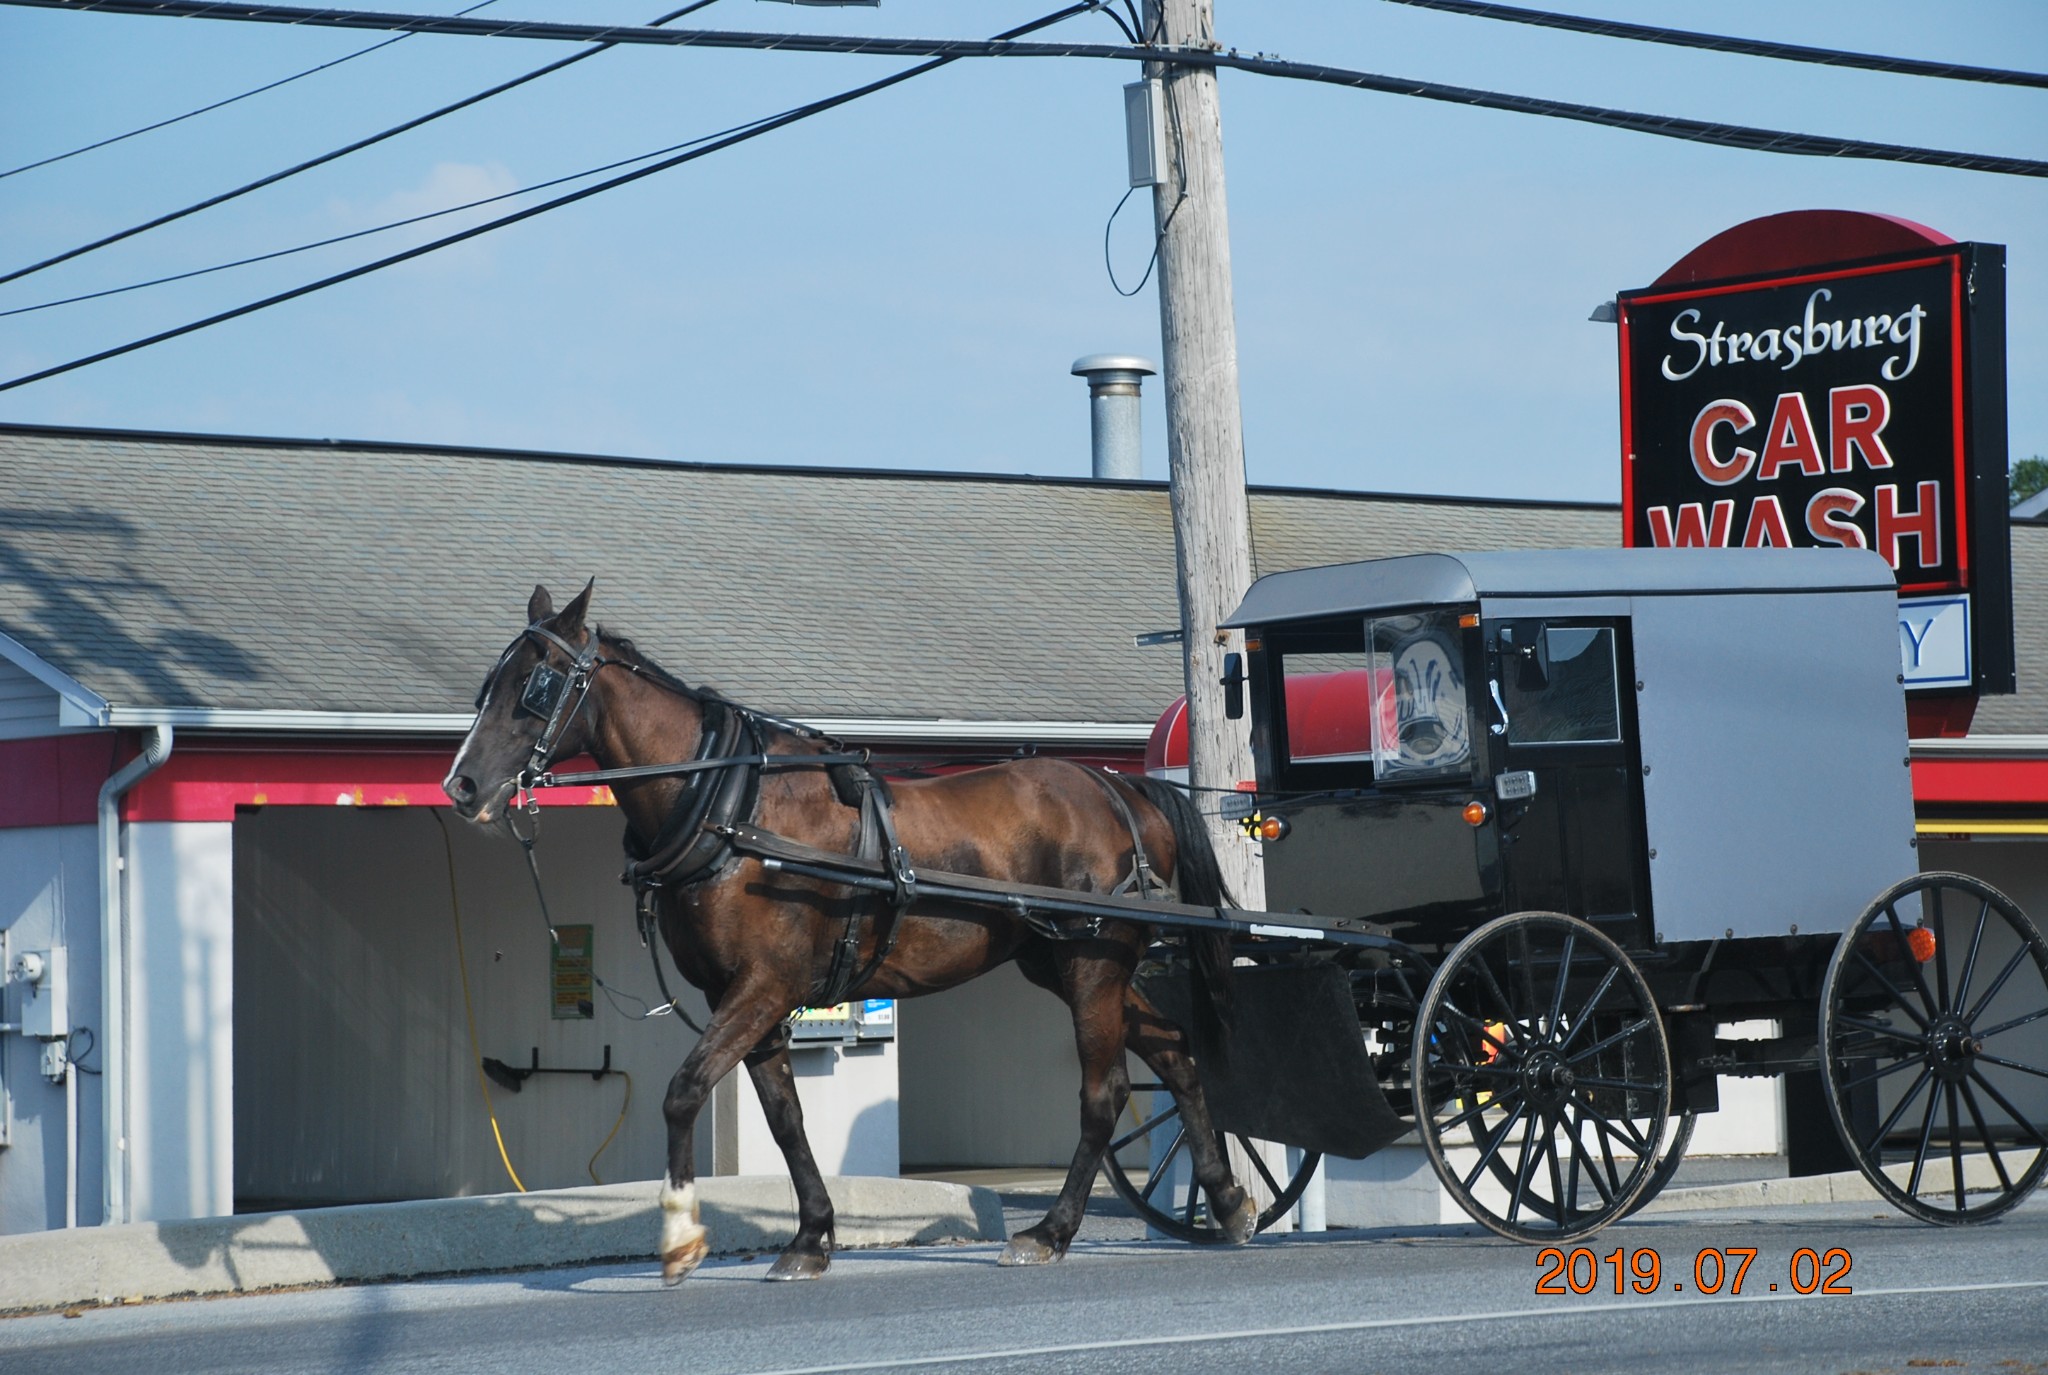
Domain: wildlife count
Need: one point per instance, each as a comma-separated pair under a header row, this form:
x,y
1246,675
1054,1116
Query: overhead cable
x,y
1663,126
386,227
341,152
218,104
1746,47
774,122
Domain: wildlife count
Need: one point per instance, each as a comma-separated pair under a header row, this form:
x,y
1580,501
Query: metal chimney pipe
x,y
1114,422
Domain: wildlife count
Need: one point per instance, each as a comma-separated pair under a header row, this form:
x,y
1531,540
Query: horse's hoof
x,y
1025,1249
676,1265
799,1265
1241,1224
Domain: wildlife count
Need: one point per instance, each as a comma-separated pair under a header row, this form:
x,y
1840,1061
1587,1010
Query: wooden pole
x,y
1204,430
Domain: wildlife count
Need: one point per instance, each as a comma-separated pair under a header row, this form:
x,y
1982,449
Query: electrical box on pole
x,y
1145,132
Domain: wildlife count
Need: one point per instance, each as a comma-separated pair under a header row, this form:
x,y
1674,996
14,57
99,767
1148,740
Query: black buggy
x,y
1536,824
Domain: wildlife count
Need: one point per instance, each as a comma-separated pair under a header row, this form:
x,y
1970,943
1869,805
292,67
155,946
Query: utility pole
x,y
1204,428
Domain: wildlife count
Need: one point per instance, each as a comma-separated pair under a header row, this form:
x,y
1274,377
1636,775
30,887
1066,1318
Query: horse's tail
x,y
1200,880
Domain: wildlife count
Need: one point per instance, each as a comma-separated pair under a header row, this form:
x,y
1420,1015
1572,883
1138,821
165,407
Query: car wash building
x,y
270,968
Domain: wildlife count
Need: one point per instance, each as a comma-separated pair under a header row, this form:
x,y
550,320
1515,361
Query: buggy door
x,y
1576,843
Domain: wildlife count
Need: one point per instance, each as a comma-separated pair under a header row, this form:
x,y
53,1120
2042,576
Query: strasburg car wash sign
x,y
1858,403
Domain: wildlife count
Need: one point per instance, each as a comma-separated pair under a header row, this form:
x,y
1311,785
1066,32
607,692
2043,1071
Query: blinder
x,y
543,691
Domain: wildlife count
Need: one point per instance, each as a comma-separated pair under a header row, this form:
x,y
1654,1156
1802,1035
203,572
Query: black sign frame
x,y
1954,431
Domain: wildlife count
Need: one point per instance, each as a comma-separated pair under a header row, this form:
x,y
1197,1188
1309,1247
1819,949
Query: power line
x,y
341,152
218,104
1747,47
764,126
1663,126
381,228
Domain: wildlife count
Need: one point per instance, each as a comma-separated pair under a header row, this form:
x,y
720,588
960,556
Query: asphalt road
x,y
1449,1298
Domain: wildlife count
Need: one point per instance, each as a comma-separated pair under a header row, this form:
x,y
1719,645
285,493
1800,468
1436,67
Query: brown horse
x,y
761,943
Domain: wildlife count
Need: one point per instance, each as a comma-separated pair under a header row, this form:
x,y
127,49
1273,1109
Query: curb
x,y
1847,1187
379,1241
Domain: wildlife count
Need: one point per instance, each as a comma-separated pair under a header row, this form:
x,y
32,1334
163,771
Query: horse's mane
x,y
704,692
646,665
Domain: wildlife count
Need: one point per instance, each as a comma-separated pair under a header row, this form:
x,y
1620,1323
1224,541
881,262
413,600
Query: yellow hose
x,y
590,1167
469,1009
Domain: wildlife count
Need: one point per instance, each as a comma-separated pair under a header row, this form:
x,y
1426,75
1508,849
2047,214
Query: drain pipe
x,y
156,748
1113,416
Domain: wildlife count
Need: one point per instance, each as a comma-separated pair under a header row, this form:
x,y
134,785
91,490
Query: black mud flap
x,y
1295,1068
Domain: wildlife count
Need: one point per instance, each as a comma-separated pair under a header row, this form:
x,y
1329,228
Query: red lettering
x,y
1827,518
1791,440
1694,530
1922,526
1856,418
1739,418
1766,528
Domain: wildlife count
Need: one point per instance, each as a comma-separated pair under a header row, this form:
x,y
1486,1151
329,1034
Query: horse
x,y
761,943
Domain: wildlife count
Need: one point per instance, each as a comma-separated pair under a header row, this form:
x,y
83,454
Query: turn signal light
x,y
1274,828
1920,941
1475,812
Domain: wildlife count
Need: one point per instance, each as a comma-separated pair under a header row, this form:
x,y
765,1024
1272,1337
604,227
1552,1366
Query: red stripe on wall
x,y
1983,781
207,783
55,781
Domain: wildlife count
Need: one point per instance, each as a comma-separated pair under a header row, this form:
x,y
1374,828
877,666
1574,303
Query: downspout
x,y
156,748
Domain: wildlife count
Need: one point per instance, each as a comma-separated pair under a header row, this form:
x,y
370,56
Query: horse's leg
x,y
743,1018
1163,1047
810,1251
1094,989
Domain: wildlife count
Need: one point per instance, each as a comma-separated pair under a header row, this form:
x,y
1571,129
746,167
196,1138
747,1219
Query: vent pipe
x,y
1115,427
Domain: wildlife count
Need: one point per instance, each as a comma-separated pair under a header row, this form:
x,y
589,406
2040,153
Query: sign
x,y
573,998
1857,404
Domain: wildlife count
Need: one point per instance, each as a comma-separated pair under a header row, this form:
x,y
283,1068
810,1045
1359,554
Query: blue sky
x,y
904,282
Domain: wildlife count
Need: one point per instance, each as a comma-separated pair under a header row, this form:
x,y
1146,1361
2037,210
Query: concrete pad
x,y
228,1255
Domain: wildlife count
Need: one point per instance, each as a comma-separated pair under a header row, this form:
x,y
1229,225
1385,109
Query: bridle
x,y
552,696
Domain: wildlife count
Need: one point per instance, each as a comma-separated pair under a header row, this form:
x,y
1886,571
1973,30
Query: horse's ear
x,y
569,619
539,606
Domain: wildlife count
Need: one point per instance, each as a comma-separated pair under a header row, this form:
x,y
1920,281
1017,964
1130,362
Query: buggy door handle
x,y
1501,728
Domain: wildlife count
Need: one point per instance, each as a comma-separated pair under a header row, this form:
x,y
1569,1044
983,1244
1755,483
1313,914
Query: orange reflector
x,y
1469,621
1496,1037
1274,828
1920,941
1475,812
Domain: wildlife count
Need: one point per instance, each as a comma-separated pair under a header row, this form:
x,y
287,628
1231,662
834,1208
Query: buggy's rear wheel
x,y
1165,1193
1540,1043
1934,1082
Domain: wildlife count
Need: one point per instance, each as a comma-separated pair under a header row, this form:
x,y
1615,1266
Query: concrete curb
x,y
1847,1187
234,1255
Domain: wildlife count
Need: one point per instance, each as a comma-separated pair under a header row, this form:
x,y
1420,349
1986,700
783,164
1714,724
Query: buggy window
x,y
1329,707
1571,698
1422,729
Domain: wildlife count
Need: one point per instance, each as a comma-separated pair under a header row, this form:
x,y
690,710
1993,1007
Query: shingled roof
x,y
173,571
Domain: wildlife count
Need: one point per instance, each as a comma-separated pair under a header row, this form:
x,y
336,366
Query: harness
x,y
721,788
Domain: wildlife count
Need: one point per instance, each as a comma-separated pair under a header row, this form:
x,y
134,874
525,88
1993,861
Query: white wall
x,y
181,1005
355,1078
49,896
990,1076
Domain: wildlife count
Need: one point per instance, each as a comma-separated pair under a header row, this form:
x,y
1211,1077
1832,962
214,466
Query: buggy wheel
x,y
1677,1137
1932,1083
1166,1195
1540,1043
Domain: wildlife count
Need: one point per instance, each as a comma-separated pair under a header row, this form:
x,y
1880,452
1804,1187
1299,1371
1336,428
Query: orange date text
x,y
1714,1270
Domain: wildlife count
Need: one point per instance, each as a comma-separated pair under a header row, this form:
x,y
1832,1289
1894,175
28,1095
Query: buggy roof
x,y
1417,580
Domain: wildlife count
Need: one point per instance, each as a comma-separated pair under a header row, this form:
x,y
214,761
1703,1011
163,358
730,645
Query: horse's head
x,y
530,711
